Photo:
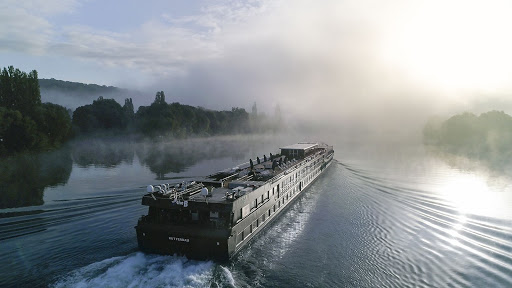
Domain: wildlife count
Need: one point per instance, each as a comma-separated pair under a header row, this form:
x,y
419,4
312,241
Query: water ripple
x,y
417,238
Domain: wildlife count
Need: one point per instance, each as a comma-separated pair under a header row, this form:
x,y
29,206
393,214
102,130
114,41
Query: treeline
x,y
488,136
162,118
25,122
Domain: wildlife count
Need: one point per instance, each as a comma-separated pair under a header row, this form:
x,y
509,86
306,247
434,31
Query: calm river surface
x,y
383,215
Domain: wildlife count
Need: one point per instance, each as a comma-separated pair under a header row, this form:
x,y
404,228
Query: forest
x,y
486,137
26,124
167,119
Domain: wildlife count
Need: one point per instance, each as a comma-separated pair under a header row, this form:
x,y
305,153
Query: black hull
x,y
218,228
159,239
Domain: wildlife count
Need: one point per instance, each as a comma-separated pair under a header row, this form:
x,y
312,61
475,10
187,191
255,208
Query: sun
x,y
452,45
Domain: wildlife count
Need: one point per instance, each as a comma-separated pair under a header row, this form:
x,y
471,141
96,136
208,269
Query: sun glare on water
x,y
473,194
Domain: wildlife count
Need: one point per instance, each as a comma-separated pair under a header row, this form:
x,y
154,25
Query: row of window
x,y
282,198
246,210
254,225
257,223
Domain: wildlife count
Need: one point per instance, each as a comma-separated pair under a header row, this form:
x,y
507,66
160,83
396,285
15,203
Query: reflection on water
x,y
495,162
102,153
475,186
24,178
174,157
430,224
477,194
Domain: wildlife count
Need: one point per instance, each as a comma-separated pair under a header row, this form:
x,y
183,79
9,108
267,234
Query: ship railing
x,y
245,178
305,163
228,177
193,190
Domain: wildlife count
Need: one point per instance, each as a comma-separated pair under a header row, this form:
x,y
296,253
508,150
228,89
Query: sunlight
x,y
455,232
453,45
471,194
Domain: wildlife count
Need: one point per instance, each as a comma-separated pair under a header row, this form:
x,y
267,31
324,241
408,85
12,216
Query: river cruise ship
x,y
216,216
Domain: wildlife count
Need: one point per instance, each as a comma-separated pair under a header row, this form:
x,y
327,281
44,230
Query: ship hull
x,y
219,227
159,239
236,246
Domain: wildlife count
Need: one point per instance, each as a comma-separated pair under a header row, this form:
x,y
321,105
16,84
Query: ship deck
x,y
217,195
241,179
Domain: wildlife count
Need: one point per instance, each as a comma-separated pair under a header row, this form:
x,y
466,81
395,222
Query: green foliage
x,y
19,90
102,114
157,118
54,124
487,136
17,133
180,120
129,113
160,98
128,109
161,118
25,123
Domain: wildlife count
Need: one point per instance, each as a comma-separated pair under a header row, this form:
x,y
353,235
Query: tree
x,y
19,90
156,119
53,123
17,133
128,112
25,123
84,119
128,107
102,114
160,98
486,137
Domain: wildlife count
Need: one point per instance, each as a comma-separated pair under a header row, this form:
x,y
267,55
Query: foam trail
x,y
222,277
141,270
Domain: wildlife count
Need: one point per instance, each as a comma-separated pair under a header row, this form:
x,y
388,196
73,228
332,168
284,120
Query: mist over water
x,y
384,214
362,76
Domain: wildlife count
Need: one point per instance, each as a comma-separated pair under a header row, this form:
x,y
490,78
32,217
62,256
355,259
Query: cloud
x,y
154,48
337,62
25,25
160,45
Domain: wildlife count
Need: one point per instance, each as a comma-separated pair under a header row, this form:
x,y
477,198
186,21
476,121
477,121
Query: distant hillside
x,y
75,94
76,86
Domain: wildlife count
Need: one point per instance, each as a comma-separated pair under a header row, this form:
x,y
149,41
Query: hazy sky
x,y
370,60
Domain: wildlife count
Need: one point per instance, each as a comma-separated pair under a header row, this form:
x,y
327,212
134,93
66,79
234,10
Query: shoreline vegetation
x,y
27,125
486,137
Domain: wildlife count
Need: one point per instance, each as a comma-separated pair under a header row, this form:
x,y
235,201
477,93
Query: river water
x,y
383,215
